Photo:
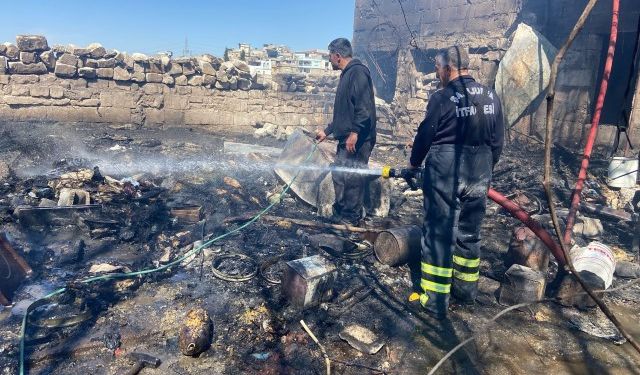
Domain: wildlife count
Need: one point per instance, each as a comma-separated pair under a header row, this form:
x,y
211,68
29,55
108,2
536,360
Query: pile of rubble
x,y
31,55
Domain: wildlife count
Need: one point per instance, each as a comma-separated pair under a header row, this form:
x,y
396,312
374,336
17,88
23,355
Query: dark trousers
x,y
349,187
456,181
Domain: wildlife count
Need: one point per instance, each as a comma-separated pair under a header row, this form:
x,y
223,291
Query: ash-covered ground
x,y
145,174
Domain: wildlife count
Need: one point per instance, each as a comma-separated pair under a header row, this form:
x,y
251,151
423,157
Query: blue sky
x,y
152,26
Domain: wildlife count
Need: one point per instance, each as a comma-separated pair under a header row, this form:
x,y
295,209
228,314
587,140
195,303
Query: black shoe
x,y
463,301
416,307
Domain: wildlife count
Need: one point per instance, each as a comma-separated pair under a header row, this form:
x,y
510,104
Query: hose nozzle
x,y
410,175
386,171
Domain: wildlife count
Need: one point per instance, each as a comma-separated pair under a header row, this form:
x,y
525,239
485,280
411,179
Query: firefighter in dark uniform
x,y
354,126
461,139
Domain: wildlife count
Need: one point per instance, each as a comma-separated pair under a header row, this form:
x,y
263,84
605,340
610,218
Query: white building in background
x,y
313,61
261,67
245,47
311,65
272,59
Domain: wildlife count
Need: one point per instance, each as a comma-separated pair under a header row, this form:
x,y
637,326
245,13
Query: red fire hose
x,y
593,132
535,227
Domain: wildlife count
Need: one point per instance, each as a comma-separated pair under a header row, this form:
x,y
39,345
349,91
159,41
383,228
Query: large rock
x,y
138,77
120,56
361,338
524,72
181,80
245,75
241,65
521,284
227,65
105,73
183,60
165,61
79,51
244,84
11,51
627,270
49,59
64,70
140,67
209,80
96,50
155,66
188,69
216,62
222,85
154,77
91,63
3,49
17,67
207,68
39,91
60,49
173,69
56,92
68,59
128,62
233,72
110,54
107,63
121,74
233,83
222,76
3,65
24,79
87,73
28,57
31,43
140,57
168,80
196,81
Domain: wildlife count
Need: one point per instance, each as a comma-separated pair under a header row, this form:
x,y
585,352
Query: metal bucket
x,y
623,172
396,246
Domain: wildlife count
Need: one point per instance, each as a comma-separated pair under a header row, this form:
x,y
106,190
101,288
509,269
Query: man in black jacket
x,y
461,138
354,126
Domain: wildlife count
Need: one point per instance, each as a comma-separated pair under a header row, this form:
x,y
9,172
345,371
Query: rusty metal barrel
x,y
396,246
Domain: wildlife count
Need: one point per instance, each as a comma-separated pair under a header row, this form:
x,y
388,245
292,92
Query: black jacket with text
x,y
463,113
354,108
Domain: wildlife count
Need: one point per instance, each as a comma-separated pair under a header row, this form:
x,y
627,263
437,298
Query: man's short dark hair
x,y
341,46
455,56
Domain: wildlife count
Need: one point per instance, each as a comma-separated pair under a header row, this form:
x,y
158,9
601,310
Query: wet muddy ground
x,y
255,330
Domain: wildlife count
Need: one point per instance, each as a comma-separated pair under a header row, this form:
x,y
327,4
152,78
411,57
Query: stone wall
x,y
93,84
405,75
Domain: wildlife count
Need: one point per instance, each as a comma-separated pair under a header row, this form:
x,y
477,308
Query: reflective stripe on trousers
x,y
465,269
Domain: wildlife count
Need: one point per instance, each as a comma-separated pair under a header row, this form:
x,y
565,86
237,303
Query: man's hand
x,y
352,139
410,175
320,135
